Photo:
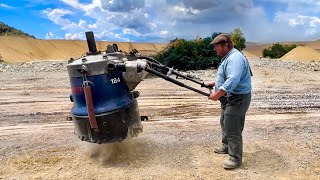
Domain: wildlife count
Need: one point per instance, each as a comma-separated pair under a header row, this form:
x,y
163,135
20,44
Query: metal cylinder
x,y
113,105
114,126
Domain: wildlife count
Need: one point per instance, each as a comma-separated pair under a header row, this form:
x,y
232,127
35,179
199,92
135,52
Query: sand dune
x,y
302,53
250,56
256,48
18,49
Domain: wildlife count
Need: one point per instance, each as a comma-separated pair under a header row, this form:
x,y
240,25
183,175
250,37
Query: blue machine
x,y
105,108
109,93
104,105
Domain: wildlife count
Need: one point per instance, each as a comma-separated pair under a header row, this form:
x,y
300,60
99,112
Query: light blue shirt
x,y
234,75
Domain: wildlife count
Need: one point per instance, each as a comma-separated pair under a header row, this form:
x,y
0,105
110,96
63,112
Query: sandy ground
x,y
281,136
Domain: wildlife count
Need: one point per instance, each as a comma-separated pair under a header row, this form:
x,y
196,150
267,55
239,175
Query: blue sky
x,y
163,20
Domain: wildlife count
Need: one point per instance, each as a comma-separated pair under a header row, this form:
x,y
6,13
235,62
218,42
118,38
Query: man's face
x,y
221,48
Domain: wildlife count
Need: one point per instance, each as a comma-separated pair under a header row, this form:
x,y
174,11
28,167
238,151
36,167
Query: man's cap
x,y
221,38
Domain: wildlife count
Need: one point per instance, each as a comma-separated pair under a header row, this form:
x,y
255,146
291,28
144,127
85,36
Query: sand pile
x,y
250,56
19,49
302,53
256,48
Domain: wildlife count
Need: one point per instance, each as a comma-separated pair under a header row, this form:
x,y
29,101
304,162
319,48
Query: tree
x,y
189,54
278,50
195,54
238,39
6,30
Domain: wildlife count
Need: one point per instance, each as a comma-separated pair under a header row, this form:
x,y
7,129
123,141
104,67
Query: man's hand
x,y
211,83
215,96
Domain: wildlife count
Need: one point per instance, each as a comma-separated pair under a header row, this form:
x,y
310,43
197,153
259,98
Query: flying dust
x,y
111,153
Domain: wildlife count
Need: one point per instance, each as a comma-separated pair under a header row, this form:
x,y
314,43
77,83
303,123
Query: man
x,y
233,89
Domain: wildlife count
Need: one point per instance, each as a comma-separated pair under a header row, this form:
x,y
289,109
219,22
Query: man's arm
x,y
216,95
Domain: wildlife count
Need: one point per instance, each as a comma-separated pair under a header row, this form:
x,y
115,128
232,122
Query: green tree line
x,y
196,54
6,30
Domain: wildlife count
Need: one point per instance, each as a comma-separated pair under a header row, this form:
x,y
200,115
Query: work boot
x,y
231,163
221,150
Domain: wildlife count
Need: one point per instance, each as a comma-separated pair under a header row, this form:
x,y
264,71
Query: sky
x,y
158,21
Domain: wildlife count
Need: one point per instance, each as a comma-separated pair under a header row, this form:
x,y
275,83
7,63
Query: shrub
x,y
189,54
1,60
6,30
278,50
195,54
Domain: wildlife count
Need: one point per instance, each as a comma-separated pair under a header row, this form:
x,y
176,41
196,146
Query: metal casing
x,y
109,90
114,126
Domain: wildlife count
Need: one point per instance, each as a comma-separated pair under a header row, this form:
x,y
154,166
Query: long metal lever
x,y
151,71
154,63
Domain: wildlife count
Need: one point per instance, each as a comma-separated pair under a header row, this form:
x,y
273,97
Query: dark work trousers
x,y
233,112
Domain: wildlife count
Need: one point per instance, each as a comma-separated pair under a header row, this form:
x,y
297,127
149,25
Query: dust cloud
x,y
118,152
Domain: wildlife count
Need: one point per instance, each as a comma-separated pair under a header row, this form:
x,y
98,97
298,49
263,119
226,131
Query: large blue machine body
x,y
105,109
109,93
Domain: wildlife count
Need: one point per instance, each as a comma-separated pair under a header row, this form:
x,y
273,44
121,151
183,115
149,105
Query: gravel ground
x,y
281,135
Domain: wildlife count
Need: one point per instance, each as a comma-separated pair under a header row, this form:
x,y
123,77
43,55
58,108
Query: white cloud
x,y
130,32
5,6
164,33
305,20
297,26
314,21
111,36
152,20
50,35
84,7
123,6
84,25
181,9
56,15
74,36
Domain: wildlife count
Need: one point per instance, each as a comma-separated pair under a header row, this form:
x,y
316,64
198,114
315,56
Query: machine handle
x,y
154,63
149,70
207,86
